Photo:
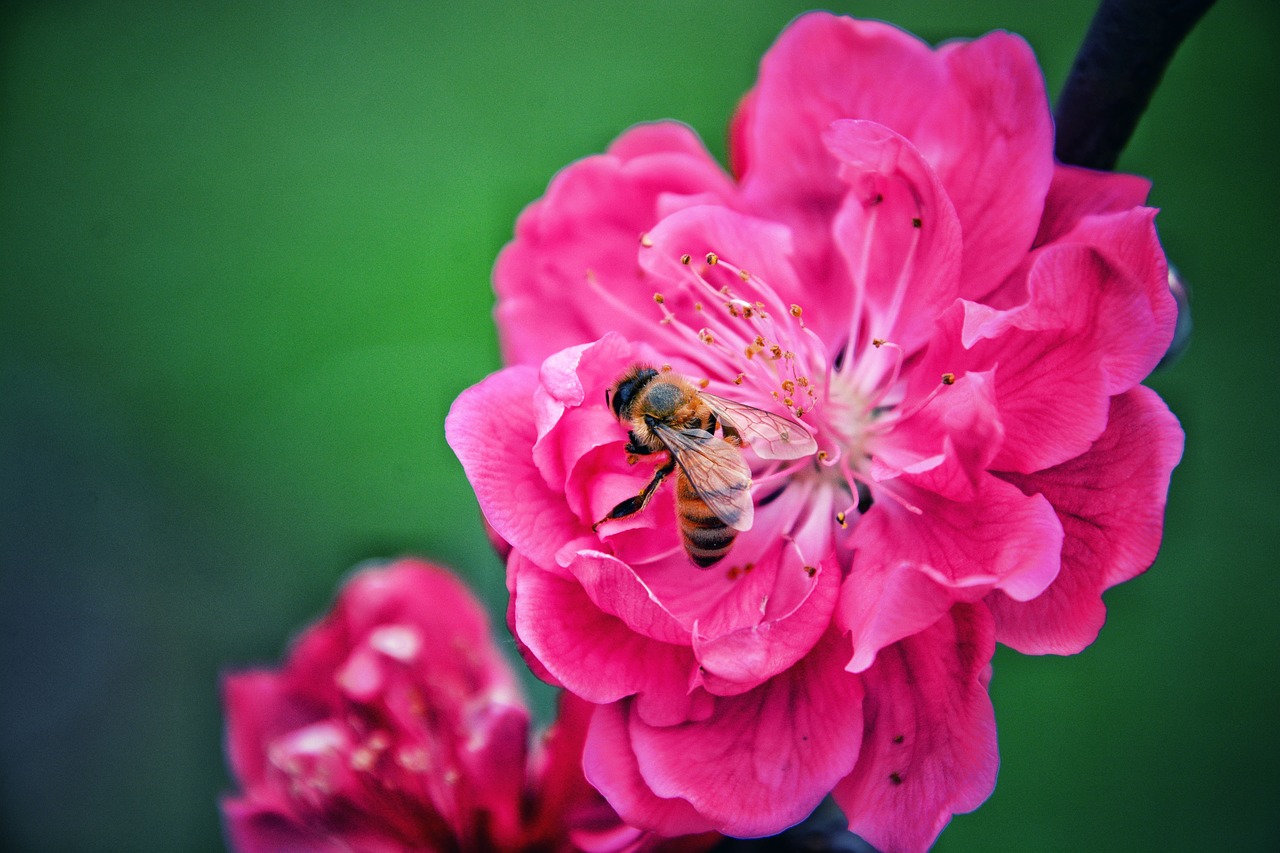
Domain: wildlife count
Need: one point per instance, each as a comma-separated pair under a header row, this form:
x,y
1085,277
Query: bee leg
x,y
635,448
633,505
731,434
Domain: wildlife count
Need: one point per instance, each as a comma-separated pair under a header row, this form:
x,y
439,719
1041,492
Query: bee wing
x,y
716,470
770,436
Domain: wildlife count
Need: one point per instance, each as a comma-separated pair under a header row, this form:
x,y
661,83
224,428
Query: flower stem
x,y
1120,63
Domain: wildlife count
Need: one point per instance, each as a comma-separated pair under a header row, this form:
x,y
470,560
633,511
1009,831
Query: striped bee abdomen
x,y
706,537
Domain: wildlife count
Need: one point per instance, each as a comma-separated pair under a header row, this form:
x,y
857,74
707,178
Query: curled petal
x,y
595,655
897,229
1111,504
909,569
491,430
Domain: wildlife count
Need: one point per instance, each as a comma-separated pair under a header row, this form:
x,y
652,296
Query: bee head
x,y
624,391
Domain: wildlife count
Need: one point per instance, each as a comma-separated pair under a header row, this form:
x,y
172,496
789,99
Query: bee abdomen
x,y
706,538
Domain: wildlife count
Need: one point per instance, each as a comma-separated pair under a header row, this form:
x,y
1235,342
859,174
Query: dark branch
x,y
1125,52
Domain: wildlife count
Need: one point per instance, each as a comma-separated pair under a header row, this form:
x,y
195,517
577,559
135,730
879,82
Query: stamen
x,y
897,415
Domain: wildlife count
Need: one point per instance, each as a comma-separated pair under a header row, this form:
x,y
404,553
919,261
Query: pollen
x,y
796,310
697,306
738,380
734,573
948,379
666,368
841,519
684,259
788,402
788,386
775,351
707,337
712,258
646,241
878,342
659,298
759,341
823,456
810,570
703,383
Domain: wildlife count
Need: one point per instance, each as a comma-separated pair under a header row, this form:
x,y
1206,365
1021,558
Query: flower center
x,y
751,346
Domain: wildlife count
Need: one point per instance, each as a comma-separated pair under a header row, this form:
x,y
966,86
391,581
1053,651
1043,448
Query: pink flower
x,y
899,265
396,725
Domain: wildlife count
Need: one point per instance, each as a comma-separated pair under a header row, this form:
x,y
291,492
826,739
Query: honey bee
x,y
664,411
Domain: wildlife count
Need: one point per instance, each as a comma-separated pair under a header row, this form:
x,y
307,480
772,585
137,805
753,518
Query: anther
x,y
788,386
775,351
703,383
684,259
878,342
788,402
948,379
659,298
810,570
840,519
711,259
744,275
697,306
796,310
646,241
738,380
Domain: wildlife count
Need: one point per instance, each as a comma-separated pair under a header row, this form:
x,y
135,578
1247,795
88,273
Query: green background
x,y
245,251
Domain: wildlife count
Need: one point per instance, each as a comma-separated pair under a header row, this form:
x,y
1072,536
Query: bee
x,y
664,411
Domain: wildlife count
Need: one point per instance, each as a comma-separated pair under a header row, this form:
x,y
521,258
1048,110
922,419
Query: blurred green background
x,y
245,251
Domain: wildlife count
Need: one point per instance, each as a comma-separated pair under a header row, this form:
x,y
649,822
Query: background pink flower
x,y
395,725
963,325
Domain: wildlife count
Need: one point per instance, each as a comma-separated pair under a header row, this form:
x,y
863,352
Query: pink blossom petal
x,y
929,747
847,69
1076,193
948,443
976,110
493,761
897,230
734,662
255,828
609,761
595,655
1093,325
259,708
766,758
909,569
566,380
491,429
615,589
576,247
1111,504
989,136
